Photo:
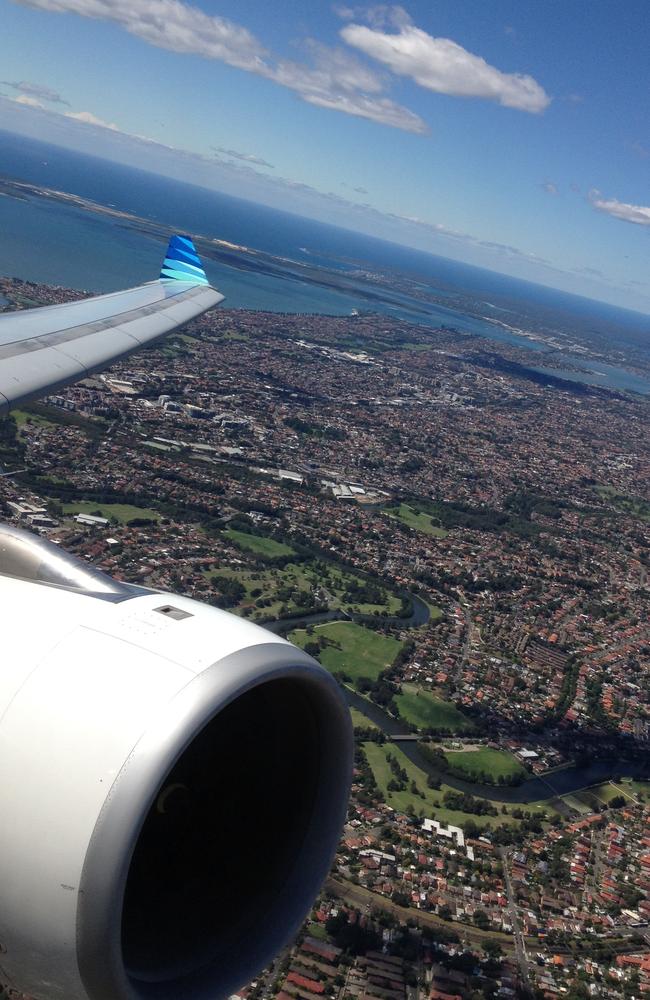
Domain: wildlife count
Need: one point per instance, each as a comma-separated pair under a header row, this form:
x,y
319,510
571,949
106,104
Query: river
x,y
535,789
420,615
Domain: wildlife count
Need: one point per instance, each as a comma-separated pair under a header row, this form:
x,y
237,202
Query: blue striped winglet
x,y
182,262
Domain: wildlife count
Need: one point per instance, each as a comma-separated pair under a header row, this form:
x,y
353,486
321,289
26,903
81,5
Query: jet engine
x,y
173,782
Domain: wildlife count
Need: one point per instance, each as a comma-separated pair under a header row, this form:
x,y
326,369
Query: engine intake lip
x,y
105,873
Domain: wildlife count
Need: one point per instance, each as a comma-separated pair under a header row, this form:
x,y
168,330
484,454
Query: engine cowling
x,y
173,783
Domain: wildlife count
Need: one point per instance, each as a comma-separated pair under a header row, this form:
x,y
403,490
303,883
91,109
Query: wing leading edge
x,y
43,349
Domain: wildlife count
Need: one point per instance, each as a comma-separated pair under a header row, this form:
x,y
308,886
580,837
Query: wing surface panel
x,y
43,349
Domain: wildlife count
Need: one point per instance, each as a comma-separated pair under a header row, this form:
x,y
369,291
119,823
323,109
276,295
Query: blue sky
x,y
512,135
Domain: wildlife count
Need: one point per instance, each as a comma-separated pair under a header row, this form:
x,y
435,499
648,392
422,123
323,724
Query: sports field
x,y
417,520
267,548
122,512
475,764
425,711
352,650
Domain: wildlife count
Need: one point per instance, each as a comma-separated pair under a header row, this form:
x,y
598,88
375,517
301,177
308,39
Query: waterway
x,y
535,789
420,615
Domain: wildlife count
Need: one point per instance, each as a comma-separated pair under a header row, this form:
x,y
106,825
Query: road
x,y
517,933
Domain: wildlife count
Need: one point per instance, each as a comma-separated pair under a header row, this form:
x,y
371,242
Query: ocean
x,y
63,244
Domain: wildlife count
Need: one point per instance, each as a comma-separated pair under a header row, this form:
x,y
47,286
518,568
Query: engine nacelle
x,y
173,782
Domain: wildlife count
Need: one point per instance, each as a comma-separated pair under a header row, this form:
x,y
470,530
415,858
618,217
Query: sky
x,y
512,134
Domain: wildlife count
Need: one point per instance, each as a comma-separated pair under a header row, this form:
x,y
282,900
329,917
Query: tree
x,y
492,949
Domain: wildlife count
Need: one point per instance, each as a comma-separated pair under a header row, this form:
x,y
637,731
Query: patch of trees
x,y
459,515
404,655
412,464
364,592
11,447
353,938
232,592
381,691
369,734
486,778
400,778
464,802
370,792
315,430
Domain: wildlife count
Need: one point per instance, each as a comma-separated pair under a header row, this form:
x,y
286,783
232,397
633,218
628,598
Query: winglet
x,y
182,262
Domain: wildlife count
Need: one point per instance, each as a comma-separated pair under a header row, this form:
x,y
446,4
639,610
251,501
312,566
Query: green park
x,y
486,765
122,513
266,592
349,650
424,711
417,519
259,545
405,788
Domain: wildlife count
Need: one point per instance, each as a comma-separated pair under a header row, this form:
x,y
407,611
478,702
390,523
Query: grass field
x,y
267,548
122,512
417,520
425,711
361,721
356,651
638,788
598,795
233,335
496,763
22,417
94,428
636,506
376,757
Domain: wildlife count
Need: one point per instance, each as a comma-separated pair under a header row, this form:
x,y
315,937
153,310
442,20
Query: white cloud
x,y
88,118
246,157
35,90
638,214
30,102
170,24
442,65
336,79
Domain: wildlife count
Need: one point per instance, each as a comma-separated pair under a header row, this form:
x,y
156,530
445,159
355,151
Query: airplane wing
x,y
43,349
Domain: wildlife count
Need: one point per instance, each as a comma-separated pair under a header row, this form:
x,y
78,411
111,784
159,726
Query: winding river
x,y
535,789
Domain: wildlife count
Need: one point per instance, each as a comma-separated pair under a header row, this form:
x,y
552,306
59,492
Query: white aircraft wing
x,y
45,348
